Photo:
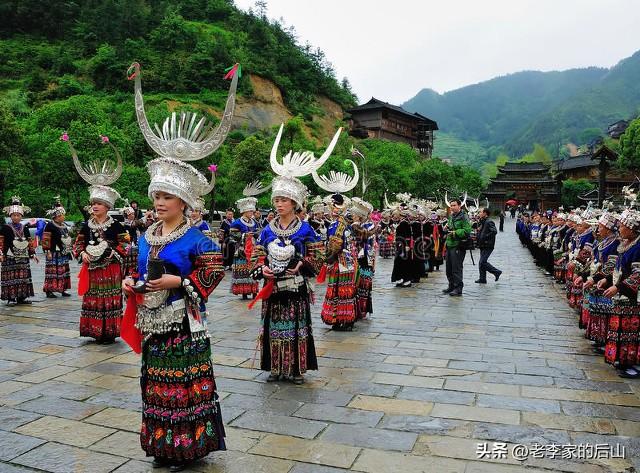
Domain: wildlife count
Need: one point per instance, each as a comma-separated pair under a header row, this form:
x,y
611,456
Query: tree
x,y
10,146
539,155
572,188
630,147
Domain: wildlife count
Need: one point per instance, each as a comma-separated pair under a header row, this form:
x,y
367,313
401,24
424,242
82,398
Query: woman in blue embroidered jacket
x,y
178,268
181,419
288,253
244,231
605,246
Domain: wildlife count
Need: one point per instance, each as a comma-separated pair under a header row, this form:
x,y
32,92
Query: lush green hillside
x,y
459,151
513,112
63,68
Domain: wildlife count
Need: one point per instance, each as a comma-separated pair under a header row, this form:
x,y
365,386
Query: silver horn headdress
x,y
100,174
338,182
295,165
249,202
184,138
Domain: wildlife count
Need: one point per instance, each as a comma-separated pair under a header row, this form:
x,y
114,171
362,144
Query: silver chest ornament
x,y
280,256
66,244
96,251
21,248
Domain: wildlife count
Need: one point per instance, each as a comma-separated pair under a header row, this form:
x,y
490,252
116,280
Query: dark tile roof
x,y
577,162
524,167
375,104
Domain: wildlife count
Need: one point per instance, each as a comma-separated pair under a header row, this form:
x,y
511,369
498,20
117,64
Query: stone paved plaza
x,y
415,389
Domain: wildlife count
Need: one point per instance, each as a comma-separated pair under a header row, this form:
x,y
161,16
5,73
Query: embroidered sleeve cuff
x,y
207,274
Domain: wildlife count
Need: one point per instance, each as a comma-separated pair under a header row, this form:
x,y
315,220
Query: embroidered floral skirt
x,y
559,270
57,276
287,346
181,418
575,298
241,281
15,279
101,314
623,334
583,320
386,248
600,309
339,305
364,304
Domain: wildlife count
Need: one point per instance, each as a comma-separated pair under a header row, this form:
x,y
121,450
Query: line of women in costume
x,y
417,237
17,248
178,267
595,254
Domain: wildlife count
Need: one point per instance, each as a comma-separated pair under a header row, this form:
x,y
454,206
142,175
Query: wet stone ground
x,y
417,388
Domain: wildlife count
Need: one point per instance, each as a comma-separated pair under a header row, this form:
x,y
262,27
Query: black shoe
x,y
177,467
158,462
480,281
400,283
51,295
456,293
498,275
448,290
630,373
272,378
24,302
66,294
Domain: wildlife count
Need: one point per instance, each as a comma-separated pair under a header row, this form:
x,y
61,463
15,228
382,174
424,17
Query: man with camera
x,y
458,230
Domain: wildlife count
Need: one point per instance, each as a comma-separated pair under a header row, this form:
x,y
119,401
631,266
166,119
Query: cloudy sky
x,y
392,49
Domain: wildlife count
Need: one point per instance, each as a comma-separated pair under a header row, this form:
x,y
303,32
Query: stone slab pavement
x,y
423,386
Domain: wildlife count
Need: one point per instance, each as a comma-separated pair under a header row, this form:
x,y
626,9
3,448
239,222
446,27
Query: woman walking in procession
x,y
15,251
178,268
244,231
56,243
364,231
288,253
339,308
100,248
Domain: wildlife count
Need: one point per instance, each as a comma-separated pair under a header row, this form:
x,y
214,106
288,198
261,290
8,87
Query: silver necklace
x,y
629,243
93,225
249,223
286,232
157,240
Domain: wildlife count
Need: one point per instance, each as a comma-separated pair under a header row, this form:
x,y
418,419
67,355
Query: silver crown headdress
x,y
100,174
57,209
295,165
16,207
360,207
181,139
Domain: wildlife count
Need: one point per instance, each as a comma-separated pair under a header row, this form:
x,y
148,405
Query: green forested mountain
x,y
63,69
511,113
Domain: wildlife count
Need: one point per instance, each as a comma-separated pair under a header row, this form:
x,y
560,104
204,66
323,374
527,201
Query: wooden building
x,y
378,119
531,184
617,129
585,166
